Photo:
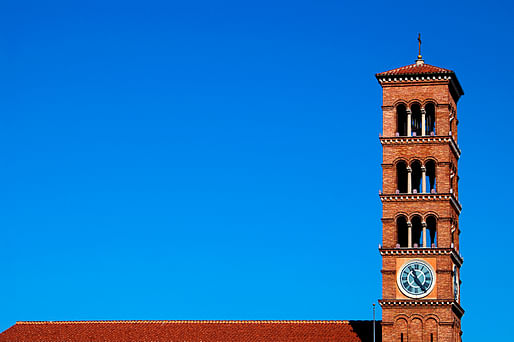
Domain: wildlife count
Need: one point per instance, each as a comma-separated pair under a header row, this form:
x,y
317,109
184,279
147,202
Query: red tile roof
x,y
427,72
414,69
191,331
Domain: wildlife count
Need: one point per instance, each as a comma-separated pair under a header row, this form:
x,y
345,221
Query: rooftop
x,y
192,331
420,71
416,69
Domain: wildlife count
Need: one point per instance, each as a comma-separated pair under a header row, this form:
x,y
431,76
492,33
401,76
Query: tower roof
x,y
420,71
416,69
191,331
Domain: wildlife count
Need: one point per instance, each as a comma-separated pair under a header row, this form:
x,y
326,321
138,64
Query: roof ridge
x,y
188,321
414,65
415,69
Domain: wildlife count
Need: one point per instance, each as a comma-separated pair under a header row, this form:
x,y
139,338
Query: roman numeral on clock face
x,y
415,278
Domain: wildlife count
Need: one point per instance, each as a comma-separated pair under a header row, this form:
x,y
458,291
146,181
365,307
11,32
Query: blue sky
x,y
220,160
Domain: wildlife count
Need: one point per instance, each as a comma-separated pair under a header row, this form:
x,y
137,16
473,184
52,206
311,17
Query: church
x,y
420,253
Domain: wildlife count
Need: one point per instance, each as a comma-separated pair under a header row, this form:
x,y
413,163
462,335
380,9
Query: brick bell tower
x,y
420,205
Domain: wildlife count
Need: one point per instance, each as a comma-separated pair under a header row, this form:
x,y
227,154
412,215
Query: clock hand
x,y
416,280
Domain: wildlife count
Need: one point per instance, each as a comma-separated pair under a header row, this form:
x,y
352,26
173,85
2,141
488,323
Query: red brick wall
x,y
422,93
440,152
441,209
420,323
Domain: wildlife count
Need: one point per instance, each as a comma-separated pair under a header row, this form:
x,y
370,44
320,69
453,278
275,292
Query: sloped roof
x,y
416,69
420,71
191,331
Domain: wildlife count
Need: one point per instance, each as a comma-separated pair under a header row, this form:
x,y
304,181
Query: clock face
x,y
416,279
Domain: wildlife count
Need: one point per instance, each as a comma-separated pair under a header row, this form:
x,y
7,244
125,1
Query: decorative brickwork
x,y
420,205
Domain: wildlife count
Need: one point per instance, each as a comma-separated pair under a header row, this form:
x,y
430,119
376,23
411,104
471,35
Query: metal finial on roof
x,y
420,60
419,46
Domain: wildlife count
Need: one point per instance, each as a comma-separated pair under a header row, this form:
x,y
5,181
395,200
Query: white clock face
x,y
416,279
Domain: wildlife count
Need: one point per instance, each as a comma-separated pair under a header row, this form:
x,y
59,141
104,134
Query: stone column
x,y
423,179
409,234
424,224
409,122
409,180
423,130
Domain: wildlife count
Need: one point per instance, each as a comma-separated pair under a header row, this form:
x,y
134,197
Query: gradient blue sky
x,y
220,159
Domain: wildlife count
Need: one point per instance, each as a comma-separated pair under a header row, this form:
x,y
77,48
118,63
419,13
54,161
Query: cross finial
x,y
419,46
419,61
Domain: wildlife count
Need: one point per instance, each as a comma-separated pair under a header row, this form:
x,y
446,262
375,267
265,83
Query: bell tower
x,y
420,205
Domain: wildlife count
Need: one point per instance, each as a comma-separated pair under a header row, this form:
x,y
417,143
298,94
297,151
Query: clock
x,y
416,279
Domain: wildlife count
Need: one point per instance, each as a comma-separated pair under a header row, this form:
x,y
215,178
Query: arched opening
x,y
431,222
401,177
454,179
400,328
401,120
454,234
431,329
415,330
416,176
416,119
430,119
430,176
402,231
417,229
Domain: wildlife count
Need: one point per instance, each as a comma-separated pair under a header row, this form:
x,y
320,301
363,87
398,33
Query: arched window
x,y
402,231
417,229
415,330
416,176
400,330
454,232
430,176
431,222
430,119
454,179
401,177
416,119
431,329
401,120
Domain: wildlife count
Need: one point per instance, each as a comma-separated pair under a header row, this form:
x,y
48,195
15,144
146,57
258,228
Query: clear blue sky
x,y
220,159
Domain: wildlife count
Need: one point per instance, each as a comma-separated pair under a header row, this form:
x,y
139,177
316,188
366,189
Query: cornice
x,y
412,79
423,197
426,139
422,78
411,302
423,251
427,302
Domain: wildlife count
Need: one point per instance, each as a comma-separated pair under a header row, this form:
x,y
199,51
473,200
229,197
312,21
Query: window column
x,y
409,180
409,122
423,179
423,121
424,225
409,234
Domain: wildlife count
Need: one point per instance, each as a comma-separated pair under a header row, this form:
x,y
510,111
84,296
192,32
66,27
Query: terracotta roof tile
x,y
414,69
191,331
427,72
